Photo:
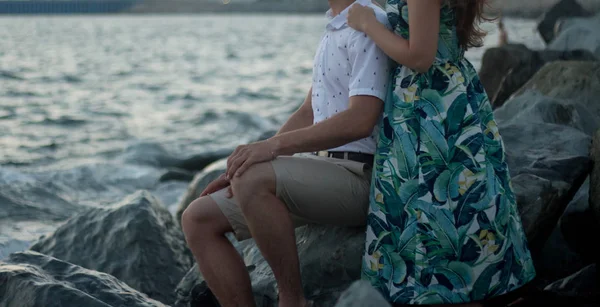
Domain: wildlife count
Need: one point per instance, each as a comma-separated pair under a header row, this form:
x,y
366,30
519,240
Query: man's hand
x,y
217,185
245,156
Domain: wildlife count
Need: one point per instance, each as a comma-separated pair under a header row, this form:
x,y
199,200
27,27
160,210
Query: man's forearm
x,y
334,132
302,118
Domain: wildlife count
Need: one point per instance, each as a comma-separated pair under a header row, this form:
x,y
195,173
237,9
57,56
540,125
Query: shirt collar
x,y
340,21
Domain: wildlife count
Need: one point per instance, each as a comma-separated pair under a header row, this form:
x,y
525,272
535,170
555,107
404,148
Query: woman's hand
x,y
247,155
360,17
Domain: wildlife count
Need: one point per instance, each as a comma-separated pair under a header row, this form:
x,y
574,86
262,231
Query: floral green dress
x,y
443,225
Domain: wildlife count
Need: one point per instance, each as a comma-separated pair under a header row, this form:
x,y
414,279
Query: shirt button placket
x,y
323,73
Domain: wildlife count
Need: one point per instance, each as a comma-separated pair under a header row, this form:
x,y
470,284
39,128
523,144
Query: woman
x,y
443,225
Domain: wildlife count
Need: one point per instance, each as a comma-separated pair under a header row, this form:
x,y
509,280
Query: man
x,y
274,191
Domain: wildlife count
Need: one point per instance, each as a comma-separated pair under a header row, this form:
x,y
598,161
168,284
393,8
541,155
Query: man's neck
x,y
337,6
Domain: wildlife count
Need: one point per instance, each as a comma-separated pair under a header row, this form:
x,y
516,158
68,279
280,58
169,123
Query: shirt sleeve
x,y
370,67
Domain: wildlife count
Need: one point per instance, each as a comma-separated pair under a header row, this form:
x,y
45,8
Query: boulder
x,y
330,260
562,9
595,176
136,240
506,69
584,283
193,291
576,82
30,207
547,129
578,222
568,249
518,76
30,279
548,163
360,294
557,260
497,62
156,155
201,161
175,174
201,180
578,34
547,145
533,107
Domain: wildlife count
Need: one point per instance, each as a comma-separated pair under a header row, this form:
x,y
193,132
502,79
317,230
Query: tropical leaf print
x,y
443,219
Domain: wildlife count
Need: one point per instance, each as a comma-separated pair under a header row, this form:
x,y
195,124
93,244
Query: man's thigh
x,y
323,190
315,190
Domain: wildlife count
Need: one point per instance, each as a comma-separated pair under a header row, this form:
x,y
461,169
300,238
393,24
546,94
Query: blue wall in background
x,y
65,7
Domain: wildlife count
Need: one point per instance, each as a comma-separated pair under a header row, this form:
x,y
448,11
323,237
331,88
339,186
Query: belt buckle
x,y
323,154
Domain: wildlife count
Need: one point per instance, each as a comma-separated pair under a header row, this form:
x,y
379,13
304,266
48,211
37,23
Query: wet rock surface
x,y
30,279
136,240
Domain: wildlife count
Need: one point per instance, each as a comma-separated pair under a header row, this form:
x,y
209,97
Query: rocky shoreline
x,y
548,110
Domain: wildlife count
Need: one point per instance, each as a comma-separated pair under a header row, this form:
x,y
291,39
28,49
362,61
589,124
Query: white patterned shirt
x,y
348,63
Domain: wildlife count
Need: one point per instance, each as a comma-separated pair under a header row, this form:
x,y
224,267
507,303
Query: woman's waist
x,y
444,63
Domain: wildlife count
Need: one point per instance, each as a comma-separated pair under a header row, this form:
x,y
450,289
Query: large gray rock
x,y
136,240
547,155
584,283
176,174
507,68
533,107
578,34
562,9
578,221
201,180
330,260
193,291
571,80
30,279
595,176
568,249
156,155
360,294
29,207
498,62
557,260
201,161
547,147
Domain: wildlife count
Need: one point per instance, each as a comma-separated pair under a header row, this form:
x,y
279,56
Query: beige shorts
x,y
316,190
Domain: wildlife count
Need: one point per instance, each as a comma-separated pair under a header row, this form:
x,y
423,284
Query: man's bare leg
x,y
272,229
222,267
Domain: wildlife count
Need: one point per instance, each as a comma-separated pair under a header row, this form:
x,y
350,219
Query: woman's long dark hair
x,y
469,15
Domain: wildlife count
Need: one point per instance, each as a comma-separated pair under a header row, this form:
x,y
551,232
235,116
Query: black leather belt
x,y
352,156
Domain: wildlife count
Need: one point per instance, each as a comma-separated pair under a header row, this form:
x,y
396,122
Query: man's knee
x,y
256,181
203,217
